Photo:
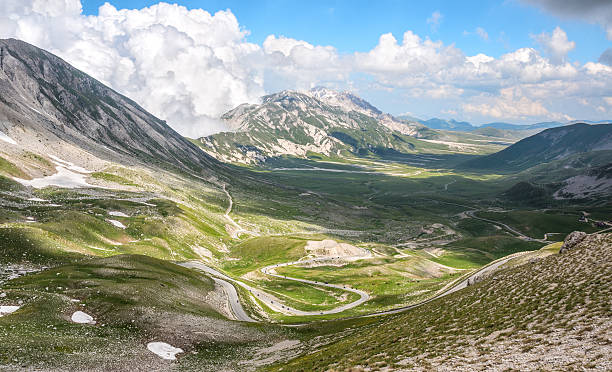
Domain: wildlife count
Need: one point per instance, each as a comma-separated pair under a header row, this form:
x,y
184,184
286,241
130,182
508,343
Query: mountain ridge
x,y
550,144
296,123
41,92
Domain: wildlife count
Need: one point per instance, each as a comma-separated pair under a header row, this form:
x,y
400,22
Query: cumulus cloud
x,y
511,103
298,64
556,44
190,66
187,66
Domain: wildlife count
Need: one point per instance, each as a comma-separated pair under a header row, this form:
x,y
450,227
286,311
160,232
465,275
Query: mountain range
x,y
464,126
548,145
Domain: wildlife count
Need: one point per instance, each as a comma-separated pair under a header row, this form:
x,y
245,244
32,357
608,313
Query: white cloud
x,y
186,66
189,66
556,44
434,20
482,33
511,103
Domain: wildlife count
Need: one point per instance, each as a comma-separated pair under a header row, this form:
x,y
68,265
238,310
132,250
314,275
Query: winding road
x,y
518,234
237,228
452,287
271,301
275,304
363,296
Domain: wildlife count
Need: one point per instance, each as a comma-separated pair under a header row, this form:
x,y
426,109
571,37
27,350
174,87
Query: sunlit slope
x,y
549,145
540,315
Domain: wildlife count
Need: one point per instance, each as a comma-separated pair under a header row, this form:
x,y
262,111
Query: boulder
x,y
572,240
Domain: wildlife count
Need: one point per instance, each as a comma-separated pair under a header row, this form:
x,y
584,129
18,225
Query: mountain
x,y
548,145
590,121
320,121
43,97
593,183
508,126
452,124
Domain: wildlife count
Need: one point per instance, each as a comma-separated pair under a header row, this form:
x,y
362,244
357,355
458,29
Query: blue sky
x,y
356,25
519,61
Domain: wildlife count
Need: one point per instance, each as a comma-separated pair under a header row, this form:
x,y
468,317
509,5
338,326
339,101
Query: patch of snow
x,y
69,165
4,310
37,199
117,214
164,350
63,178
117,224
5,138
68,176
82,318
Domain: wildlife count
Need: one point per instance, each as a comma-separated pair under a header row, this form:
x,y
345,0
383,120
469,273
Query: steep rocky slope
x,y
47,103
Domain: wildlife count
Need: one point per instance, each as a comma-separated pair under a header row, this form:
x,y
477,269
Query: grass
x,y
11,169
133,298
306,297
113,178
258,252
32,245
536,223
391,282
477,251
522,306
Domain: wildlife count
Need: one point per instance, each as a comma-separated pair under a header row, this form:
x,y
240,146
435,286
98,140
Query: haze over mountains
x,y
465,126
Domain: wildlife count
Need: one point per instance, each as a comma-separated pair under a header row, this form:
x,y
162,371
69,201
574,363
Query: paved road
x,y
229,289
363,296
518,234
463,284
276,305
270,300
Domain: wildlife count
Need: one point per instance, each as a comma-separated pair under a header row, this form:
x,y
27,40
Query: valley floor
x,y
334,243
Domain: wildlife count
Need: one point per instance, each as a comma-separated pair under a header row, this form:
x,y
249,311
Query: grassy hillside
x,y
551,144
539,315
134,300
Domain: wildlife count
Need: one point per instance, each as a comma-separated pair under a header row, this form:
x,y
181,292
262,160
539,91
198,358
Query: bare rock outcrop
x,y
572,240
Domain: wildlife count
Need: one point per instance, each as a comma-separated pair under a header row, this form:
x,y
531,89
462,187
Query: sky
x,y
518,61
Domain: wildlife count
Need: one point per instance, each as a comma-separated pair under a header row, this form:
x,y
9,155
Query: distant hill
x,y
508,126
452,124
464,126
548,145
